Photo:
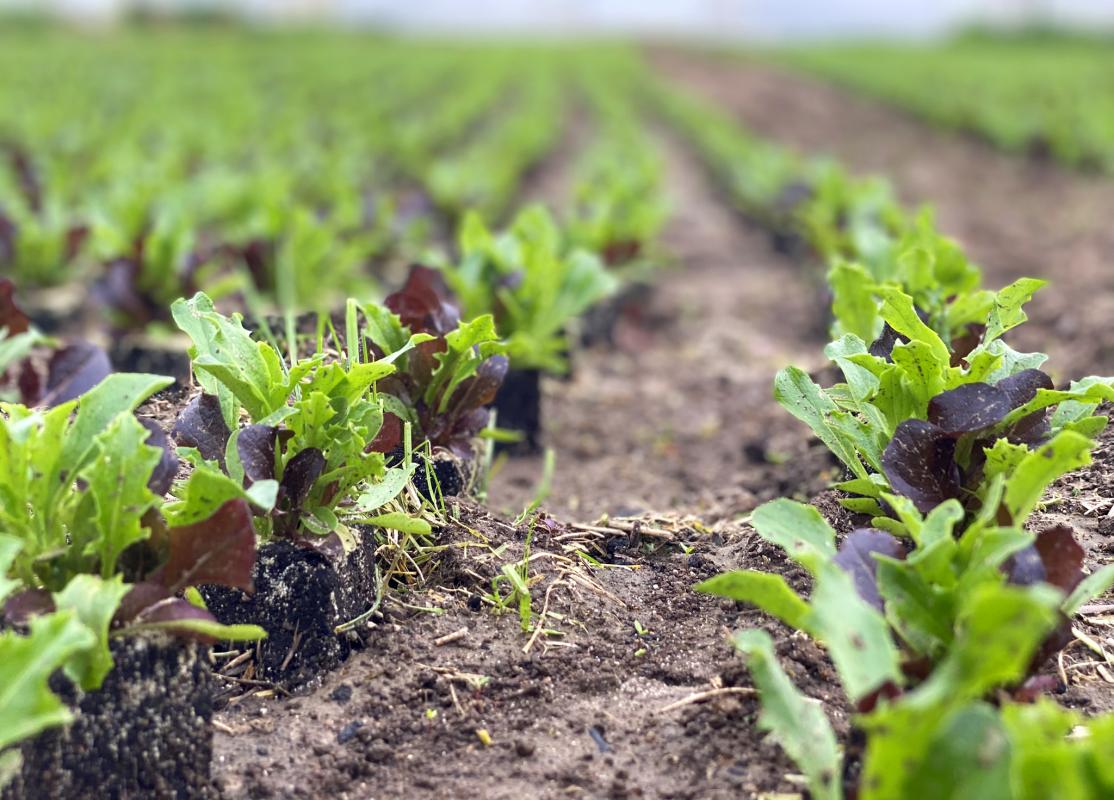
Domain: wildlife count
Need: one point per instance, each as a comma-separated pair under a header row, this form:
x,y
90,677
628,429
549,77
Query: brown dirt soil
x,y
680,413
581,712
1015,216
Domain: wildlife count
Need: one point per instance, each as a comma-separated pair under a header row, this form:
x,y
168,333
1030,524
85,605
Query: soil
x,y
583,711
678,413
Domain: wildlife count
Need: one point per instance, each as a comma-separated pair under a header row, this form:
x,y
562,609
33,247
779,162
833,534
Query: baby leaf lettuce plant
x,y
919,419
300,443
531,282
85,555
442,386
938,616
934,637
31,376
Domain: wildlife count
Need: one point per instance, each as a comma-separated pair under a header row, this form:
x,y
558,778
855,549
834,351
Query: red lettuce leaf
x,y
167,469
855,557
301,472
201,425
1061,556
11,316
219,550
968,408
919,463
74,370
21,606
256,448
424,303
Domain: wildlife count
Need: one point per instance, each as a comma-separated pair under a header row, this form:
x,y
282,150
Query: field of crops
x,y
1046,96
398,418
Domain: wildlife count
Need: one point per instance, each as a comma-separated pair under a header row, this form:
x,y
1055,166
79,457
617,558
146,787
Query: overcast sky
x,y
728,18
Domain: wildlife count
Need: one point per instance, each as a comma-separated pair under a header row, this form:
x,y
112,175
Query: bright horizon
x,y
758,19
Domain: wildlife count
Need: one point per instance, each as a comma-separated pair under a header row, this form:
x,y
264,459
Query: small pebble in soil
x,y
342,694
379,753
348,732
523,749
755,452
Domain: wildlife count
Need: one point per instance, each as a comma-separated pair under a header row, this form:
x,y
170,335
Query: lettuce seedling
x,y
530,282
310,445
84,553
16,340
443,385
70,371
909,420
919,628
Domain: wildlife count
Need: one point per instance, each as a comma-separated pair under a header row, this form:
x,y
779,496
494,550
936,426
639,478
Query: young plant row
x,y
334,156
107,529
618,204
806,204
941,610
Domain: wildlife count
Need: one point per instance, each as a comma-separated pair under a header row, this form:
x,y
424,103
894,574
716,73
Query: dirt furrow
x,y
679,414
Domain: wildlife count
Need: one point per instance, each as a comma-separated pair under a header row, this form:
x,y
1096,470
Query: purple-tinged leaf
x,y
201,425
1035,687
1060,637
480,390
968,408
74,370
12,317
389,436
76,236
1022,387
964,343
621,251
1033,429
7,239
883,346
258,255
1024,568
856,558
30,384
329,546
256,448
167,469
301,472
218,550
919,463
119,289
1062,557
140,597
28,176
21,606
425,304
